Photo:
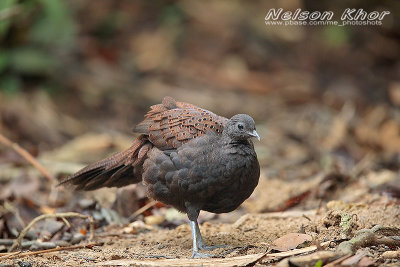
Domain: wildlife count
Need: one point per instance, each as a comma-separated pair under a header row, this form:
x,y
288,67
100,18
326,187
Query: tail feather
x,y
119,177
114,171
100,180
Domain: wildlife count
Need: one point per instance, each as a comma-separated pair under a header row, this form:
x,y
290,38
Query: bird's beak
x,y
255,134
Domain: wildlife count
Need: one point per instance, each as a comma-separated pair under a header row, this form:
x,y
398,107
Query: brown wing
x,y
171,124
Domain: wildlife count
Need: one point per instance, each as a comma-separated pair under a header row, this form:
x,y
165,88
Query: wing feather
x,y
171,124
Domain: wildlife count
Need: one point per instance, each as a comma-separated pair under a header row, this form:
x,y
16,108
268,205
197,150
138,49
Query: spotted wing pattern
x,y
171,124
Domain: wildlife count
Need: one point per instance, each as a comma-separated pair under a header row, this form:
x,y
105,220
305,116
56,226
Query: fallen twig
x,y
295,251
142,209
17,242
11,255
367,237
27,156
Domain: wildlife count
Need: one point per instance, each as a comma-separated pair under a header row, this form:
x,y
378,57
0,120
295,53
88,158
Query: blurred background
x,y
75,76
68,67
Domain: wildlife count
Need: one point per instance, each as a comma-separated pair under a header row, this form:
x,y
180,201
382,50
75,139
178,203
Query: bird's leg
x,y
200,242
196,254
193,214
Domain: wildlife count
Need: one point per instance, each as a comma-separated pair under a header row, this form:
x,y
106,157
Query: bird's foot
x,y
205,247
198,255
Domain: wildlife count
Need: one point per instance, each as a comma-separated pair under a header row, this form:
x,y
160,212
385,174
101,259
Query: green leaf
x,y
31,61
172,15
318,264
55,26
335,36
10,85
4,60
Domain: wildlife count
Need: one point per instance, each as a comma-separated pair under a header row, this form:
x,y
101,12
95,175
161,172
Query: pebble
x,y
76,238
154,219
66,236
87,203
7,242
24,264
382,249
136,226
97,216
27,244
116,257
112,217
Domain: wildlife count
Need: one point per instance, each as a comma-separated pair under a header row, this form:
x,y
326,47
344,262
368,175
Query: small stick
x,y
66,222
142,209
10,254
17,242
368,237
296,251
29,253
27,156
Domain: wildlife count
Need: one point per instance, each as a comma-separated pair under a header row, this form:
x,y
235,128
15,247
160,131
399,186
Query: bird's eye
x,y
240,126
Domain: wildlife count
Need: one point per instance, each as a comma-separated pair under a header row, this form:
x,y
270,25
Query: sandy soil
x,y
251,234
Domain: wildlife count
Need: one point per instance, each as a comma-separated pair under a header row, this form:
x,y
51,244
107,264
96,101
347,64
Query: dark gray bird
x,y
189,158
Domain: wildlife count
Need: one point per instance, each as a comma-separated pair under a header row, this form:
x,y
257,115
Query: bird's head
x,y
241,127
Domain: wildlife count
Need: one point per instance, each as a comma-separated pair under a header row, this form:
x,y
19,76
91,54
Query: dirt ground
x,y
248,235
343,203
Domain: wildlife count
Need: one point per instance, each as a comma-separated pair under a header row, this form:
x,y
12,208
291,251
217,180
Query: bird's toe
x,y
204,247
198,255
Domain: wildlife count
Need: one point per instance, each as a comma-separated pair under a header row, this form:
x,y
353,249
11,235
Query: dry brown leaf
x,y
290,241
366,261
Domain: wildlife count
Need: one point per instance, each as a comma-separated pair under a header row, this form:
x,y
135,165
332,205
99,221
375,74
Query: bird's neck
x,y
234,141
239,142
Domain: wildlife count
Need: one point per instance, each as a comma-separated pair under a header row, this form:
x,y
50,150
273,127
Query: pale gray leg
x,y
200,242
195,235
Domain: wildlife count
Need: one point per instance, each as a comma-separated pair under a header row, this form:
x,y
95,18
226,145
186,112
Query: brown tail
x,y
117,170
